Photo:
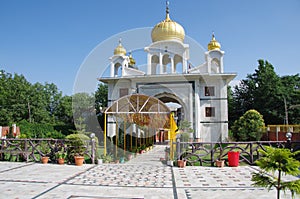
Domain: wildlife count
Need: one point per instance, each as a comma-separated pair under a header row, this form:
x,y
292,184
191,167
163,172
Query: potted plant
x,y
142,149
79,156
107,158
122,159
220,162
129,156
117,160
181,163
45,152
77,147
61,156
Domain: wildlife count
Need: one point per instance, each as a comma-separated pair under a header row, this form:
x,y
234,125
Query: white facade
x,y
201,90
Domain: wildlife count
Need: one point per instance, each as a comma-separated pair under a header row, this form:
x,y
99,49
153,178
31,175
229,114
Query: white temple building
x,y
201,91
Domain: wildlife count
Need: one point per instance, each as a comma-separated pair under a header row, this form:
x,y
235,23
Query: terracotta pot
x,y
181,163
45,160
61,160
220,163
129,157
142,151
79,160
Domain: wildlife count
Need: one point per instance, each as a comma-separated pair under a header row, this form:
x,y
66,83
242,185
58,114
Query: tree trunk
x,y
278,184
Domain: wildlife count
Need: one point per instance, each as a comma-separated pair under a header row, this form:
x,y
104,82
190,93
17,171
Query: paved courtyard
x,y
142,177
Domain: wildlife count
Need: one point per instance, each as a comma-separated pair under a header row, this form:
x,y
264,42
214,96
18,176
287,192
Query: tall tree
x,y
14,94
101,97
36,103
265,92
292,94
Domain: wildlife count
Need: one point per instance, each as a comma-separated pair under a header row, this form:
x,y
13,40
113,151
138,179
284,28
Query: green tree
x,y
39,104
265,91
292,95
248,127
101,97
185,130
282,161
14,93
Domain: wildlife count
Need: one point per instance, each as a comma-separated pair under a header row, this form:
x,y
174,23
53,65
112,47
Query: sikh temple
x,y
200,91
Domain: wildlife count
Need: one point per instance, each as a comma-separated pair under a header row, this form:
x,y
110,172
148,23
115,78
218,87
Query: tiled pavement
x,y
142,177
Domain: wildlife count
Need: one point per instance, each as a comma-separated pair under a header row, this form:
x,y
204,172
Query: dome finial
x,y
167,11
167,29
120,50
213,44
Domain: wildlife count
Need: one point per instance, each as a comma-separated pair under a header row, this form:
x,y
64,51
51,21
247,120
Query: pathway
x,y
142,177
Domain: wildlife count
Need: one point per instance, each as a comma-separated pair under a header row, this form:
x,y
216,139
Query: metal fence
x,y
31,150
206,153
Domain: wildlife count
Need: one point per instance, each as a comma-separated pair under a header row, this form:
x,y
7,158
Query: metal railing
x,y
31,150
206,153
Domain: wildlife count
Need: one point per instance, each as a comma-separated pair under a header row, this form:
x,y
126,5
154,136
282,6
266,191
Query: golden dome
x,y
131,60
167,30
120,50
213,44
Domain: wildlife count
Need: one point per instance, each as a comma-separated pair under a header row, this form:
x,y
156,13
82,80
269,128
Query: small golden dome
x,y
120,50
131,60
214,44
167,30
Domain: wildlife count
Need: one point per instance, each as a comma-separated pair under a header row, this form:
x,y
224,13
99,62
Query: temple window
x,y
209,91
209,111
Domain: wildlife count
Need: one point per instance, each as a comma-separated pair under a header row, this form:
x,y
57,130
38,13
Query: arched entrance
x,y
139,116
170,98
176,106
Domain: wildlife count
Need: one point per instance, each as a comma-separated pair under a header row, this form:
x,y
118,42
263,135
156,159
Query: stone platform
x,y
143,177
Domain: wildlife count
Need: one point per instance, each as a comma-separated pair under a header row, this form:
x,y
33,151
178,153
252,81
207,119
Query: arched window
x,y
166,64
154,65
178,64
118,70
215,65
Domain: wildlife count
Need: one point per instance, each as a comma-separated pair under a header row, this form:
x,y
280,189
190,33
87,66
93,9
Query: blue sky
x,y
48,40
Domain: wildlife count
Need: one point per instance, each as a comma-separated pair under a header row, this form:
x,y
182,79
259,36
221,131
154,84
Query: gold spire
x,y
131,60
167,29
213,44
120,50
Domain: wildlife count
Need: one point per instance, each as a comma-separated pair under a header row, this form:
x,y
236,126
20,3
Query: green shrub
x,y
249,127
77,145
35,130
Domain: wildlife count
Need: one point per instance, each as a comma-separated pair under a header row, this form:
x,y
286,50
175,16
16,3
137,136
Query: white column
x,y
161,69
124,65
149,64
209,64
111,126
197,109
221,65
112,69
172,64
184,63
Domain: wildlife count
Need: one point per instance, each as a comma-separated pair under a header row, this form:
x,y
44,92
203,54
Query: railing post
x,y
178,149
251,153
211,155
93,147
25,149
